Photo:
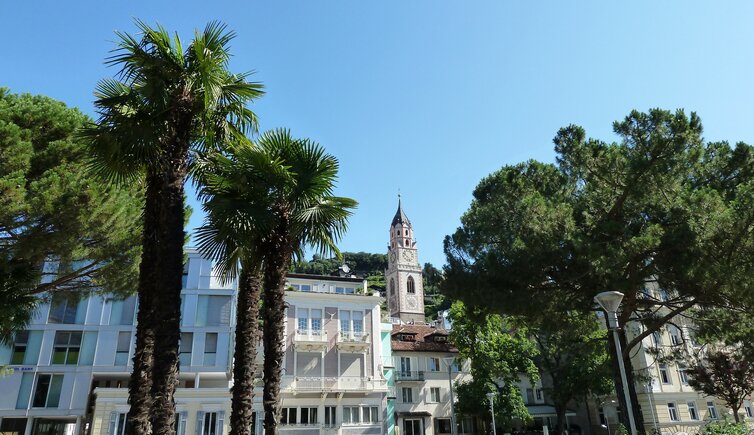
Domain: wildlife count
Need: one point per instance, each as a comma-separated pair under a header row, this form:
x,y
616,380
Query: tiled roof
x,y
424,339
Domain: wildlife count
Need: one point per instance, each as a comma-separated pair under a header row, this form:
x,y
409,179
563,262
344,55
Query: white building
x,y
68,373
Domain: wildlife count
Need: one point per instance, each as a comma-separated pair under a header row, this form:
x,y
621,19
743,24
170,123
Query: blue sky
x,y
425,97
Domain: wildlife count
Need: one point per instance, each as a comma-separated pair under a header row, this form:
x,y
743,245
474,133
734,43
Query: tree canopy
x,y
658,205
54,212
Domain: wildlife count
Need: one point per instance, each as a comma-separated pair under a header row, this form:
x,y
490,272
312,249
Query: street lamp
x,y
650,391
491,398
610,301
449,360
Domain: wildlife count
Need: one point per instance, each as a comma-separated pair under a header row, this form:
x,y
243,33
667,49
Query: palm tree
x,y
165,104
234,194
302,212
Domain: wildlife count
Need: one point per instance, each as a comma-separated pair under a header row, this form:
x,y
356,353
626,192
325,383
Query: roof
x,y
423,341
400,217
325,277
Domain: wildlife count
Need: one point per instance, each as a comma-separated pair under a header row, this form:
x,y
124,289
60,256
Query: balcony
x,y
309,340
353,341
335,384
409,376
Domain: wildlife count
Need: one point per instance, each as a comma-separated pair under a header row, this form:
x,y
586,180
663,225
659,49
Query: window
x,y
345,321
712,410
330,416
370,414
184,276
683,375
538,394
657,339
603,419
47,392
664,295
316,322
210,348
405,232
121,423
309,416
212,423
664,374
675,335
303,321
443,425
406,242
289,416
672,412
351,415
213,311
405,366
122,312
20,341
408,395
67,348
358,323
529,396
121,351
185,348
63,310
410,285
433,364
434,395
412,427
392,286
747,408
345,290
693,412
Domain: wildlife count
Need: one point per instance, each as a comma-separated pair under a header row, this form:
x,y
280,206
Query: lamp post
x,y
650,391
491,398
449,360
610,301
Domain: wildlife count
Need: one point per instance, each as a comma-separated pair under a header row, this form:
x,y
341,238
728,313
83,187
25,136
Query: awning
x,y
546,411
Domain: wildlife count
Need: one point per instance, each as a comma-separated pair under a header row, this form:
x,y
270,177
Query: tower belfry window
x,y
410,285
406,232
406,242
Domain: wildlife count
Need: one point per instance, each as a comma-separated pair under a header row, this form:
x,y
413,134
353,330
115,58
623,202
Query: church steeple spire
x,y
400,217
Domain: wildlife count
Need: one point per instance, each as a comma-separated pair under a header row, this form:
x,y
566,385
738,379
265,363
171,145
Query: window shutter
x,y
220,421
199,421
113,417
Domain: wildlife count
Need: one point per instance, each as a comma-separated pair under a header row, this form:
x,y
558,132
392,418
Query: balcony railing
x,y
353,337
342,383
315,335
407,375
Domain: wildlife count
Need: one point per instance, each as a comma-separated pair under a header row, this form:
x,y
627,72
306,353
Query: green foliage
x,y
53,210
499,352
725,427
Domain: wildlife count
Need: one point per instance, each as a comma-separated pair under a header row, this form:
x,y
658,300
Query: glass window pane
x,y
40,393
53,397
210,344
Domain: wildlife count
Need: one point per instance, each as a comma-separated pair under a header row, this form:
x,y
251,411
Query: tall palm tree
x,y
233,188
165,103
302,212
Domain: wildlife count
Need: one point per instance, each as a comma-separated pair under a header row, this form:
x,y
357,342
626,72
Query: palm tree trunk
x,y
140,385
245,353
168,327
276,266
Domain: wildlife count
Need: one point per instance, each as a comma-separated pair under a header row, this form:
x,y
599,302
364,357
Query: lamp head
x,y
609,301
491,397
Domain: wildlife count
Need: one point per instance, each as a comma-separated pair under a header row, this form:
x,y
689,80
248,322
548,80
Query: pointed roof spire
x,y
400,216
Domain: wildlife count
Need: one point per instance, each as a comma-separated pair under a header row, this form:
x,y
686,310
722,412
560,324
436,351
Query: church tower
x,y
405,290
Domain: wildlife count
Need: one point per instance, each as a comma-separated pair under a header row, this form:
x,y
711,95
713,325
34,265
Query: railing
x,y
342,383
312,335
406,375
353,337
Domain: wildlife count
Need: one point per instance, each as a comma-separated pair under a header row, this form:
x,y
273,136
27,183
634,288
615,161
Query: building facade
x,y
68,373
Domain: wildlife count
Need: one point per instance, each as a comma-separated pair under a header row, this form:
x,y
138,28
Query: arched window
x,y
392,286
410,285
406,232
397,232
406,242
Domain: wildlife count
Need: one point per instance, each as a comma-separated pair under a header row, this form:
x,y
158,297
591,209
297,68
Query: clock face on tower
x,y
411,301
408,256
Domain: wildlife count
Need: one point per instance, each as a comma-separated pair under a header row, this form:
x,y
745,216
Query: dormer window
x,y
407,337
441,339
